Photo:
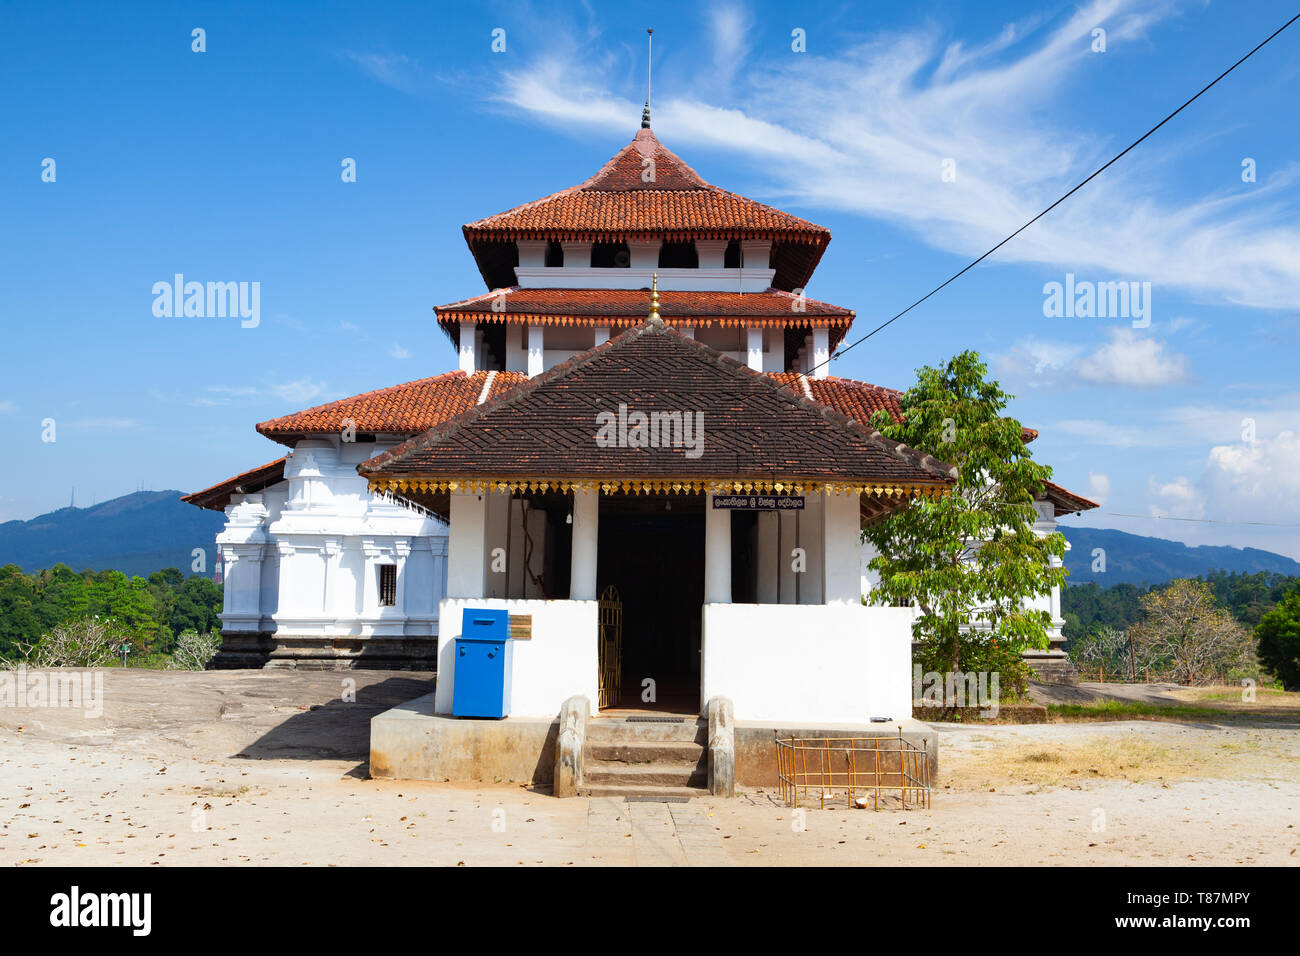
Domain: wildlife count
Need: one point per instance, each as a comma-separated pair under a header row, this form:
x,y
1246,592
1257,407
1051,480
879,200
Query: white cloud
x,y
6,407
1255,481
401,72
1098,486
398,352
1128,359
1176,498
301,390
866,127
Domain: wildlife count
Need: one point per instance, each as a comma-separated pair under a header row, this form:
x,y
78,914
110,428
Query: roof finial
x,y
654,299
650,44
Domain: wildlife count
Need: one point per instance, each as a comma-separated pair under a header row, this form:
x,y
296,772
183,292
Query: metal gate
x,y
610,648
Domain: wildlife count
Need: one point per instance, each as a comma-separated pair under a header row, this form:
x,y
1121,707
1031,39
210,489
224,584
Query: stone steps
x,y
645,759
640,792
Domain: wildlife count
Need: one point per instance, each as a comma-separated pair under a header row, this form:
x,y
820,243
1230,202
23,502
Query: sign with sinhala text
x,y
759,502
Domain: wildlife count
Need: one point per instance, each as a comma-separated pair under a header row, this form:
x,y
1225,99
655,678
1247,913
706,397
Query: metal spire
x,y
650,45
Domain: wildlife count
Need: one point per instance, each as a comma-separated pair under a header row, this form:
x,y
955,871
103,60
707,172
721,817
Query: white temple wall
x,y
302,557
791,665
559,661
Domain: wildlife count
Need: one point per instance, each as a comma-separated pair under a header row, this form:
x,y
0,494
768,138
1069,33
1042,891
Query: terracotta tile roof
x,y
626,307
677,205
405,409
858,400
1066,502
255,479
754,426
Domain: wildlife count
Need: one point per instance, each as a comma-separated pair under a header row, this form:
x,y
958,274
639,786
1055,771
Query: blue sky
x,y
225,165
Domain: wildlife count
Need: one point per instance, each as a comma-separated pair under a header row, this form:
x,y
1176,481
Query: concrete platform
x,y
411,742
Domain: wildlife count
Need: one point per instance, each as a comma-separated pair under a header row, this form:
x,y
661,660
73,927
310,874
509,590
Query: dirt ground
x,y
261,767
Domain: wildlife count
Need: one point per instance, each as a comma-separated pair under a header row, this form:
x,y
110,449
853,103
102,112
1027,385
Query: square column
x,y
467,347
712,252
841,549
821,352
586,526
717,554
536,355
466,558
644,255
602,335
754,346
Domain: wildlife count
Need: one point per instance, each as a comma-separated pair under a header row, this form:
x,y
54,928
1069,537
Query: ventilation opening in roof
x,y
678,255
731,258
610,255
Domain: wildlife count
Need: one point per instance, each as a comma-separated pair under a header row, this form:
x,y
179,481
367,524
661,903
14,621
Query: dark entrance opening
x,y
651,549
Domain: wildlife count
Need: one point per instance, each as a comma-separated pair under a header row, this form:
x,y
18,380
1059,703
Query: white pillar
x,y
712,252
821,352
586,527
644,255
717,554
536,354
532,253
465,556
688,331
516,354
755,253
496,518
754,345
842,549
467,347
602,335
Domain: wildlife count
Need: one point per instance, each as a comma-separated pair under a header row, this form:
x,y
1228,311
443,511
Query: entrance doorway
x,y
651,549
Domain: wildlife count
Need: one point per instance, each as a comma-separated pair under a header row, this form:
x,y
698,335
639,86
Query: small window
x,y
387,585
554,255
731,258
610,255
678,255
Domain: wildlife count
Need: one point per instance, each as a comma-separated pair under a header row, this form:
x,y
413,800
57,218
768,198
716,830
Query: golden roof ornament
x,y
654,299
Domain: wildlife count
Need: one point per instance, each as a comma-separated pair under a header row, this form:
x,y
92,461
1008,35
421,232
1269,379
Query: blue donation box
x,y
484,653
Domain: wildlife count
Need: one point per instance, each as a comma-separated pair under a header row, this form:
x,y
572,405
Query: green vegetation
x,y
1278,634
969,560
1247,596
150,613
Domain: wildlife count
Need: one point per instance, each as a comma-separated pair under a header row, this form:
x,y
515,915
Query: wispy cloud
x,y
398,352
396,70
300,390
1126,359
867,129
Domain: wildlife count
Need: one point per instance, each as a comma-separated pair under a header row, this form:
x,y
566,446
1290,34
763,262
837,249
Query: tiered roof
x,y
757,433
626,307
619,204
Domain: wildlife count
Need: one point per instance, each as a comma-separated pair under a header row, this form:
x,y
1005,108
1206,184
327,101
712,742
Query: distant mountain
x,y
1135,559
135,534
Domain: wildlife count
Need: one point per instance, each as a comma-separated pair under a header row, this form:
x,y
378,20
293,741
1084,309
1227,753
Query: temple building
x,y
642,454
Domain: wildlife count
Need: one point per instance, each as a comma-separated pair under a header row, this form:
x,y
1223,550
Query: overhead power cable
x,y
1101,169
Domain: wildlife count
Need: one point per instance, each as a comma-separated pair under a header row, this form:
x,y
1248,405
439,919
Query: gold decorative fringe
x,y
653,486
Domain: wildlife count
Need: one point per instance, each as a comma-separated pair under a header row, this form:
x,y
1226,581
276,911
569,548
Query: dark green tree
x,y
1278,637
970,560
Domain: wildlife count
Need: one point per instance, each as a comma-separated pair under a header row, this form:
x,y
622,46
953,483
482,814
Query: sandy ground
x,y
257,767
